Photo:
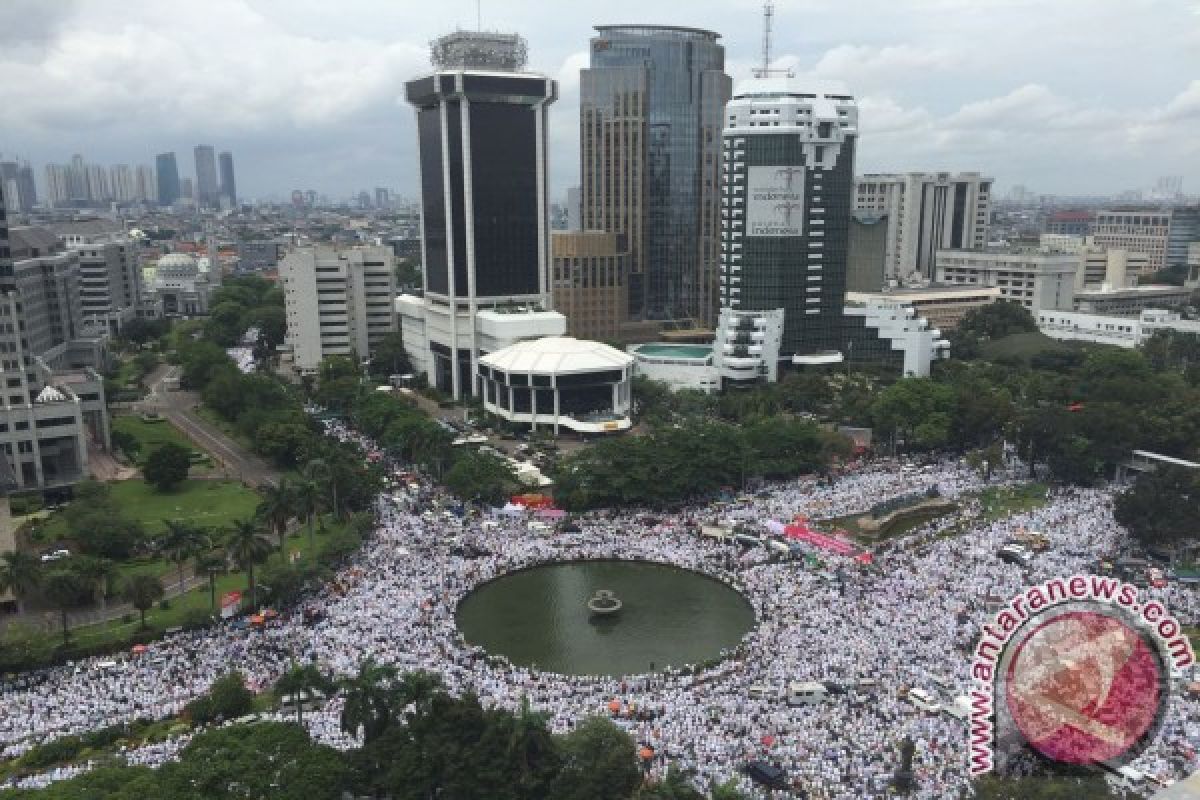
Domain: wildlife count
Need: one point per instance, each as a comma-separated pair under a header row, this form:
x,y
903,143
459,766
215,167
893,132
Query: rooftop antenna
x,y
768,13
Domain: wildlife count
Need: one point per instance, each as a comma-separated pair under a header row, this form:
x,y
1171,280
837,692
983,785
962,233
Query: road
x,y
178,407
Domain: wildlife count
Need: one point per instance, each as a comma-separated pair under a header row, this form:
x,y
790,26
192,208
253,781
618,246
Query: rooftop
x,y
657,30
662,350
557,354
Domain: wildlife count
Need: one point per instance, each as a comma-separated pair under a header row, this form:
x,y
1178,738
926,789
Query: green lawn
x,y
150,435
210,504
1001,501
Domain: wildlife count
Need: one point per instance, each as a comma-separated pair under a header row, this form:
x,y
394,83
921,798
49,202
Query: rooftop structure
x,y
479,50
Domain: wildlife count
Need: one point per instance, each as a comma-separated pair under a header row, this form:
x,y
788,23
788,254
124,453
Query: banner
x,y
230,602
775,201
805,534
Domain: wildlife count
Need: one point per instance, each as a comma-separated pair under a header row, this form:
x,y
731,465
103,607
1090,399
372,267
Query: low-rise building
x,y
1037,279
179,289
559,382
1131,300
1114,329
260,255
943,306
679,366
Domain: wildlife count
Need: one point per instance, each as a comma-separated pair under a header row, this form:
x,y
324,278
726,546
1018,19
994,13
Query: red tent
x,y
803,533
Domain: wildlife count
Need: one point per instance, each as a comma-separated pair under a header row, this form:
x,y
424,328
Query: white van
x,y
539,527
806,693
923,700
759,691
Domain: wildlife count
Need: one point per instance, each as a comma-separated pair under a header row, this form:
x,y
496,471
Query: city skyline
x,y
1033,99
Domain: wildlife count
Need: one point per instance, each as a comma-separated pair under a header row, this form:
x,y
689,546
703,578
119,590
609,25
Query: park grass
x,y
1003,501
150,435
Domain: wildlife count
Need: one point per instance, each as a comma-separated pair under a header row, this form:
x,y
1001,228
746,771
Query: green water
x,y
670,617
675,350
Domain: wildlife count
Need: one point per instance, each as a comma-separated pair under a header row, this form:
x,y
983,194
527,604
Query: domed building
x,y
180,288
558,381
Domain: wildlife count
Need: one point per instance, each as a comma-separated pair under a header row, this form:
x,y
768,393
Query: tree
x,y
321,471
674,786
277,508
65,589
20,573
142,591
481,477
181,542
599,763
918,409
247,545
1161,508
997,320
369,701
1042,787
389,357
307,495
302,680
167,466
211,564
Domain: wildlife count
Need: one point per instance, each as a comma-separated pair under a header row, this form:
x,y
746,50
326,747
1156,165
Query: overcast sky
x,y
1063,96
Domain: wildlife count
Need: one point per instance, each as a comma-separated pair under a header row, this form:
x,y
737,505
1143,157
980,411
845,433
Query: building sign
x,y
775,201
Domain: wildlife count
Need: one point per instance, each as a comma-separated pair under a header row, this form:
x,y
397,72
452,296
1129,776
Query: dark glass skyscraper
x,y
168,178
482,142
207,189
650,108
788,191
228,183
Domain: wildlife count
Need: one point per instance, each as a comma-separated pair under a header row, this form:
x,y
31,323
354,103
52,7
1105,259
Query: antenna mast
x,y
768,13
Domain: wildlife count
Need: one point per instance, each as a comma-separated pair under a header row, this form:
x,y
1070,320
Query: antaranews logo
x,y
1078,670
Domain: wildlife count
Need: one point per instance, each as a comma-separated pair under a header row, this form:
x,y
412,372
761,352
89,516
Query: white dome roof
x,y
50,395
557,355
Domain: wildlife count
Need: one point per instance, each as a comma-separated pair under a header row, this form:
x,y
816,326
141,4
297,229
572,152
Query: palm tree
x,y
142,591
369,697
321,471
20,573
301,680
417,689
307,496
277,508
212,564
181,542
247,545
95,572
64,588
529,740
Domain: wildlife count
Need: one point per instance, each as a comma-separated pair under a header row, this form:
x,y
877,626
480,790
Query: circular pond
x,y
668,617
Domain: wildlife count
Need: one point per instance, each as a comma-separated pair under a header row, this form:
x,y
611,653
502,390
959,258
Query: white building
x,y
1039,280
1122,331
338,302
902,330
748,344
558,381
1137,230
926,212
110,277
679,366
179,288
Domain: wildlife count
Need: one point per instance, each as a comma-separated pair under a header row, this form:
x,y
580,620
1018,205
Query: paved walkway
x,y
178,407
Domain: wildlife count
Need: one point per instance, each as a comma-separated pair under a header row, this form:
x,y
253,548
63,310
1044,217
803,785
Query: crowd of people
x,y
908,620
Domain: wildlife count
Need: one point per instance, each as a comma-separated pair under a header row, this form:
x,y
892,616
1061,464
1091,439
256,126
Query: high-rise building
x,y
146,184
589,276
1185,229
58,192
228,183
124,188
651,104
77,183
187,190
27,188
382,198
1138,230
110,279
481,126
926,212
208,191
6,264
338,302
169,190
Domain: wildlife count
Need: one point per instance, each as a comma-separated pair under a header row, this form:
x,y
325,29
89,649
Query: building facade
x,y
1038,280
866,252
1184,231
651,103
337,302
589,278
110,285
1119,330
1138,231
228,181
207,187
943,306
1070,223
926,212
559,382
481,127
167,172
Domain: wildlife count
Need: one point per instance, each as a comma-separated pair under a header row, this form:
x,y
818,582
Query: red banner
x,y
805,534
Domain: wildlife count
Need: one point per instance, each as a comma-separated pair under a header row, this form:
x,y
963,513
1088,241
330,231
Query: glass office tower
x,y
651,105
168,179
